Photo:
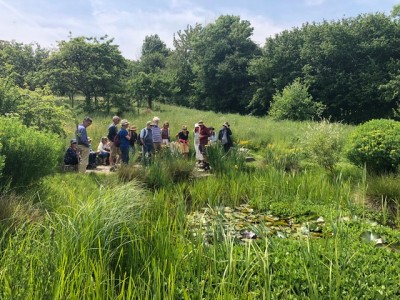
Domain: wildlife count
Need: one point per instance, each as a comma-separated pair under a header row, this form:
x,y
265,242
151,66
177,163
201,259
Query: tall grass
x,y
109,237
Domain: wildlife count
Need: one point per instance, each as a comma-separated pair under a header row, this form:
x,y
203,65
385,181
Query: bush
x,y
376,144
323,143
295,103
29,154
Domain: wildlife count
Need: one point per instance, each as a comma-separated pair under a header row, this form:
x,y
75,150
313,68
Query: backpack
x,y
143,134
117,140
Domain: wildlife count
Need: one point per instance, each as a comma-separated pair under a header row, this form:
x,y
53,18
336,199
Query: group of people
x,y
119,142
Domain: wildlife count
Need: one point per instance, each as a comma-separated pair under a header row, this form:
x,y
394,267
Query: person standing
x,y
83,143
146,139
156,133
124,137
165,136
212,139
112,132
183,139
199,156
133,140
204,134
224,136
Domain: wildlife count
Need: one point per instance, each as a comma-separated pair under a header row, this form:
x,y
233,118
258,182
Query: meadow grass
x,y
126,236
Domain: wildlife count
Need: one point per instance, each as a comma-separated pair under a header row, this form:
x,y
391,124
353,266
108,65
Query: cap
x,y
73,141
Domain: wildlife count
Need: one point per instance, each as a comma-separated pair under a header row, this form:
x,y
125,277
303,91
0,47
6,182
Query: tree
x,y
89,66
295,103
179,67
22,63
148,87
221,54
345,63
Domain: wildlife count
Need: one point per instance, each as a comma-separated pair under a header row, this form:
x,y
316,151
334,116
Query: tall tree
x,y
221,56
22,63
87,65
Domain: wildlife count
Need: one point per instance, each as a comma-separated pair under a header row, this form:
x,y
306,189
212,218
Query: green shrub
x,y
376,144
295,103
323,143
29,154
283,157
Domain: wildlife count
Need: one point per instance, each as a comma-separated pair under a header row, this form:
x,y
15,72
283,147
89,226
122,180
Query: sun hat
x,y
184,127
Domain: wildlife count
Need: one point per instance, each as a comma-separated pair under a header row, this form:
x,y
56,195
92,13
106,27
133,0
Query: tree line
x,y
346,70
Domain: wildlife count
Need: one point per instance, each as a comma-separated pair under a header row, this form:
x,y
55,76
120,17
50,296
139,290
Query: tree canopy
x,y
349,66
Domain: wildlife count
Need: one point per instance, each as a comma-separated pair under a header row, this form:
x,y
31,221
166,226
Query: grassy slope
x,y
94,237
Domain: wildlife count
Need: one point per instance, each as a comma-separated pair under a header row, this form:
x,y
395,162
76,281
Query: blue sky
x,y
129,21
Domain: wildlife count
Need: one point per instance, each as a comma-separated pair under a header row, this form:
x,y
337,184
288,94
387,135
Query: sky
x,y
128,22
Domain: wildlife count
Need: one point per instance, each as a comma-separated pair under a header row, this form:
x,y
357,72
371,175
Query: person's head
x,y
87,122
133,128
116,120
156,120
148,124
211,129
74,144
124,123
184,128
226,124
201,123
166,124
196,127
104,140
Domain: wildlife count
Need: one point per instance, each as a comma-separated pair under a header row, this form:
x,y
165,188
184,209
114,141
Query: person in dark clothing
x,y
204,134
71,156
183,139
133,140
225,136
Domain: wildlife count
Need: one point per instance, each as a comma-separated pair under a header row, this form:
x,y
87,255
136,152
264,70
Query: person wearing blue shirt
x,y
124,138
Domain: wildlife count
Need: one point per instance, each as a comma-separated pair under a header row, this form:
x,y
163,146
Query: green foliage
x,y
376,144
226,163
29,154
283,157
38,109
344,62
220,55
87,65
23,64
9,96
323,143
295,103
163,171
